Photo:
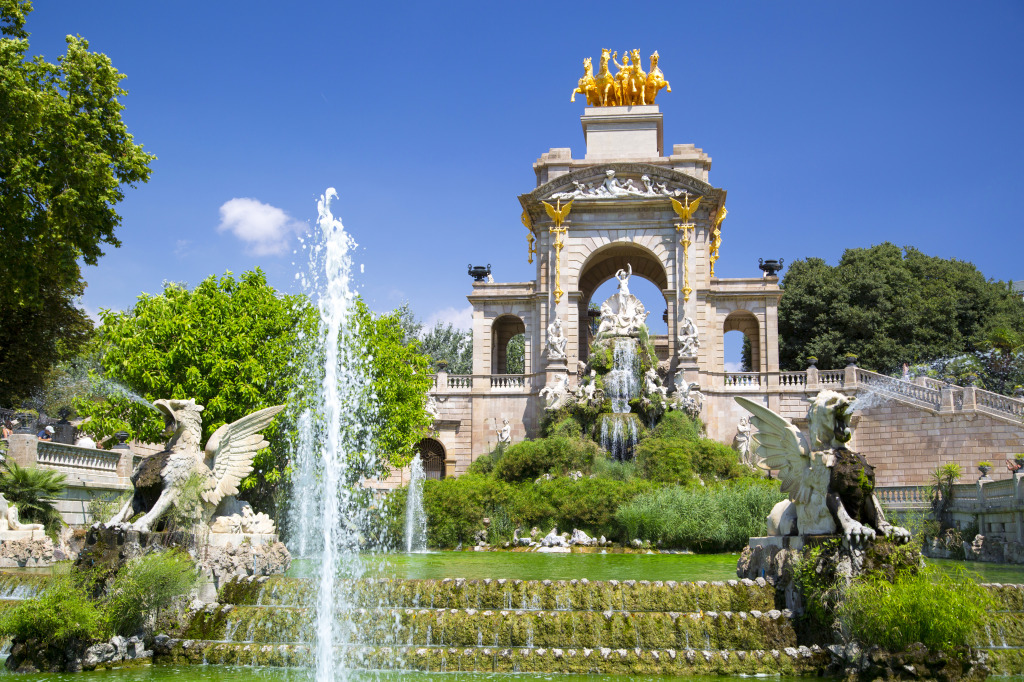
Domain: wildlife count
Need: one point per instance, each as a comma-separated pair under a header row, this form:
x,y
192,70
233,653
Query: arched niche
x,y
601,266
746,322
502,330
432,457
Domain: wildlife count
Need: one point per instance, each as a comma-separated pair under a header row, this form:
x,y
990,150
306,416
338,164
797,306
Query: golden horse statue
x,y
607,91
587,85
655,81
630,86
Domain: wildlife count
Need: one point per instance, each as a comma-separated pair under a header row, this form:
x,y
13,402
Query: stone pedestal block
x,y
623,132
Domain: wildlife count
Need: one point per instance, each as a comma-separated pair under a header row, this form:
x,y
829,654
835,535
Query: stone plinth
x,y
6,535
623,132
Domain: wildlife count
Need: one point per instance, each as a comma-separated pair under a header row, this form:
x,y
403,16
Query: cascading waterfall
x,y
415,516
619,432
333,450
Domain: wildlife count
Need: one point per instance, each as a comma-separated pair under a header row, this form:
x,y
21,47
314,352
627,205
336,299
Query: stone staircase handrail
x,y
998,403
743,379
907,389
60,455
831,377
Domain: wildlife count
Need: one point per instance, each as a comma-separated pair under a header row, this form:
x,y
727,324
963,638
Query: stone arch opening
x,y
502,330
746,322
601,266
432,456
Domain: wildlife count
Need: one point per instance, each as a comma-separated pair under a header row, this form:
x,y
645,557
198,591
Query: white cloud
x,y
181,247
265,229
734,367
460,318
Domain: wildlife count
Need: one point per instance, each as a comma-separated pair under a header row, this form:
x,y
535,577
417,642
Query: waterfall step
x,y
787,661
525,629
540,595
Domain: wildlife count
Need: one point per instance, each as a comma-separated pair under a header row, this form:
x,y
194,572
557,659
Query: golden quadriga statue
x,y
631,85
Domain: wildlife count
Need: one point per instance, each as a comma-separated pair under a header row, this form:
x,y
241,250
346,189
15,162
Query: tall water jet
x,y
415,516
333,451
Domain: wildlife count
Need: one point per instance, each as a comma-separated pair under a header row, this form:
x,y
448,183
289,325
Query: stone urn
x,y
812,361
984,468
851,359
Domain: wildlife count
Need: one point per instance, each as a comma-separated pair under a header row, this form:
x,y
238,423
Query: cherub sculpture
x,y
226,460
830,487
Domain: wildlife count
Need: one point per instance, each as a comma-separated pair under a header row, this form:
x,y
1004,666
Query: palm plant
x,y
33,492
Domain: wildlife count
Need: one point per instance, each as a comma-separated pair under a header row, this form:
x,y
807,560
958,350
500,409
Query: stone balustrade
x,y
905,497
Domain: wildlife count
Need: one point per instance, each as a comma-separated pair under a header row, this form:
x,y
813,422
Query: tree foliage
x,y
229,344
450,345
65,155
889,306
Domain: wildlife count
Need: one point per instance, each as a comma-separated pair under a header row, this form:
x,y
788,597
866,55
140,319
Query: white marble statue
x,y
652,382
239,517
557,393
226,460
586,390
556,340
741,444
622,314
689,341
9,518
432,408
688,398
807,467
505,433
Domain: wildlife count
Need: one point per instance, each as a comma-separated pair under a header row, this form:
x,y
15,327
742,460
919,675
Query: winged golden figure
x,y
222,465
558,214
831,488
686,211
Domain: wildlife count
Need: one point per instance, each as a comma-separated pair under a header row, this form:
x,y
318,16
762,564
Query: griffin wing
x,y
678,207
693,207
782,447
232,448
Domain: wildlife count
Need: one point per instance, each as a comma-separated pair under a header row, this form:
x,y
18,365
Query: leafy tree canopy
x,y
889,306
237,346
442,343
65,155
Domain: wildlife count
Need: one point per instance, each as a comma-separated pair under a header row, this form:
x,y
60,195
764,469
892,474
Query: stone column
x,y
22,449
947,404
812,379
970,399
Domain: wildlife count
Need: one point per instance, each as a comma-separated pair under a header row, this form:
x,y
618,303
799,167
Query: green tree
x,y
515,354
230,344
65,155
33,492
451,345
401,378
888,306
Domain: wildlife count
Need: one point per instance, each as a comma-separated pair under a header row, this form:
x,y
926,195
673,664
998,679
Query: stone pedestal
x,y
236,539
687,371
623,132
555,370
7,535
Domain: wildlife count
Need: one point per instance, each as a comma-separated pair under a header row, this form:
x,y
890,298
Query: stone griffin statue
x,y
830,487
227,459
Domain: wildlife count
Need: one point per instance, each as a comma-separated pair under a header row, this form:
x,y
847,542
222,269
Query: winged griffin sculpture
x,y
830,487
227,459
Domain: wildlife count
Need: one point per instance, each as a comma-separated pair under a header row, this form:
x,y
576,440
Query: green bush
x,y
145,585
455,508
713,519
665,459
676,451
61,614
531,459
938,609
33,491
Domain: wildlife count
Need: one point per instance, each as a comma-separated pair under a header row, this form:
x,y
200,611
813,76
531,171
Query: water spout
x,y
415,516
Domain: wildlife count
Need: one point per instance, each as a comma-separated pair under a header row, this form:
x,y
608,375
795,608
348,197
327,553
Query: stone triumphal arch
x,y
625,206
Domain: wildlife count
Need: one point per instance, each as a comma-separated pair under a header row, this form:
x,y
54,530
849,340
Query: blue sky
x,y
831,125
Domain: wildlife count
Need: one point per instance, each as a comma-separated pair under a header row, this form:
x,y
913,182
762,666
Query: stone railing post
x,y
981,501
125,456
849,377
22,449
970,399
812,379
442,381
947,404
449,468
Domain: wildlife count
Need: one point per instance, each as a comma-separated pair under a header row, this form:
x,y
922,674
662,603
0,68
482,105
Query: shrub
x,y
530,459
145,585
455,508
664,459
32,491
102,508
713,519
588,503
938,609
61,614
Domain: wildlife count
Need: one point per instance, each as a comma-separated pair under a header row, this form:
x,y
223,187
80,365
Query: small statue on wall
x,y
432,408
505,433
741,444
557,393
689,343
556,340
